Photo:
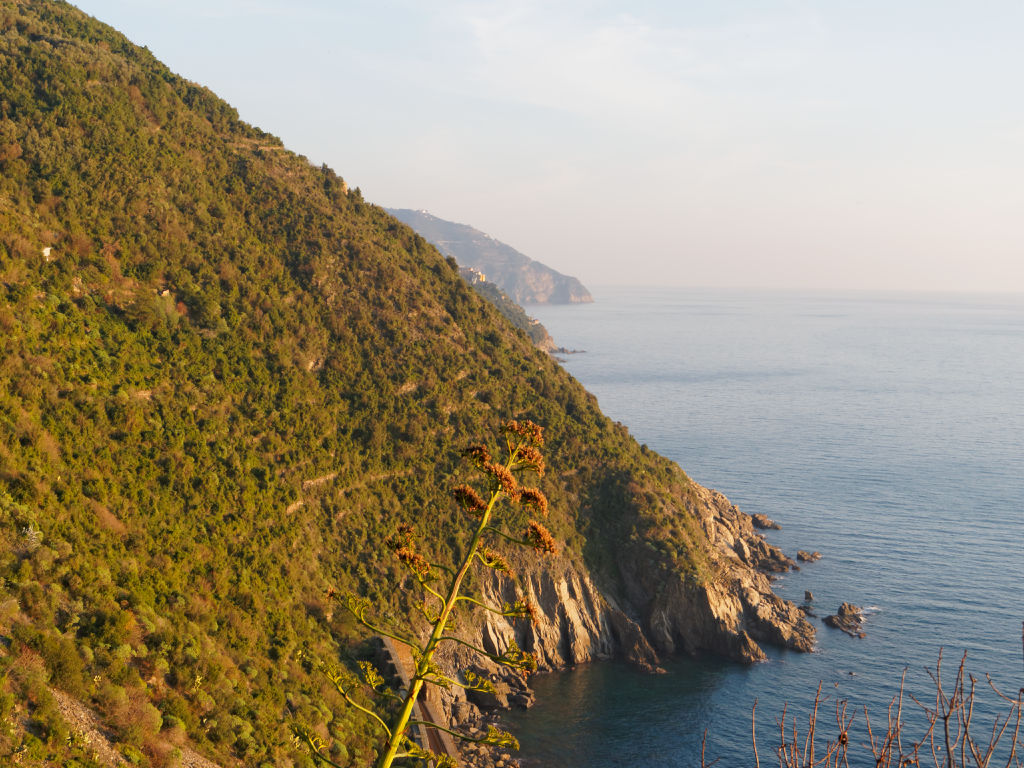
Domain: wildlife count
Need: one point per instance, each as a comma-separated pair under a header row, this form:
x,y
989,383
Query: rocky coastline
x,y
647,618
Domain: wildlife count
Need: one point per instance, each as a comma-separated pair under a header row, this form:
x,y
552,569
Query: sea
x,y
885,431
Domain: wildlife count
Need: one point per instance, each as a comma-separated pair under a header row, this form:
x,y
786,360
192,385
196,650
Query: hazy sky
x,y
767,143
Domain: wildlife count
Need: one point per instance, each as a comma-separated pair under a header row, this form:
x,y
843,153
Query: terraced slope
x,y
224,379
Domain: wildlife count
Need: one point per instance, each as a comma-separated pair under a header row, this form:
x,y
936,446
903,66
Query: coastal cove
x,y
881,430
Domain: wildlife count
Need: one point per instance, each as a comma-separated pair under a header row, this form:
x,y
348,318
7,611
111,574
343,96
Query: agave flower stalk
x,y
443,586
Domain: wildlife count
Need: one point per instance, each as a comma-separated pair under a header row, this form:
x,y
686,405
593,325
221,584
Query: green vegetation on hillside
x,y
515,314
224,379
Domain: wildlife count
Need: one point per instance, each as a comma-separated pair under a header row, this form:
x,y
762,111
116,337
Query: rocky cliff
x,y
732,613
727,615
645,617
525,280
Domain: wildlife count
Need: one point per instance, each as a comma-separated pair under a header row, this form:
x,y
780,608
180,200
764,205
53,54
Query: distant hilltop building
x,y
472,276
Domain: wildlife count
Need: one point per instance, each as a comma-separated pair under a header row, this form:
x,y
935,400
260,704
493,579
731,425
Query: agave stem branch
x,y
316,750
481,651
443,567
439,679
352,703
432,591
456,734
401,721
485,606
359,615
509,537
397,638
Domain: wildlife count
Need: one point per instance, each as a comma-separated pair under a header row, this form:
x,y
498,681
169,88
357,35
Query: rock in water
x,y
808,557
849,619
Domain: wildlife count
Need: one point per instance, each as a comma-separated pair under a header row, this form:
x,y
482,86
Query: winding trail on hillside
x,y
316,482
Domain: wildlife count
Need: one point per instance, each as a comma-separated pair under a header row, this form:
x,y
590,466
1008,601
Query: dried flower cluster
x,y
478,455
517,658
403,543
540,537
404,536
536,499
505,480
494,560
529,457
413,560
527,430
468,498
523,607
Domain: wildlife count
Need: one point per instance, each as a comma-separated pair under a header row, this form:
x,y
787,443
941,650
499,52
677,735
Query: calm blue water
x,y
886,431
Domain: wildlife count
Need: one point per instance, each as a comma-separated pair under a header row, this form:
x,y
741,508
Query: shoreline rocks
x,y
808,557
807,606
764,522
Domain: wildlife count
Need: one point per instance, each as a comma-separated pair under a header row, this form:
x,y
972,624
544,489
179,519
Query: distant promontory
x,y
525,280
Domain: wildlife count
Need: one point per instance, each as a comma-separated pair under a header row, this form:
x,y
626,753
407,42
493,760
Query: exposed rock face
x,y
578,623
656,612
738,606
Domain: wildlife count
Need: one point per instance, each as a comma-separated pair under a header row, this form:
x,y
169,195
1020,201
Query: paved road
x,y
427,708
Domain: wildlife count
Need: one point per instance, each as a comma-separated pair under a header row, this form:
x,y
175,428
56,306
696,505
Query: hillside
x,y
512,312
525,280
224,379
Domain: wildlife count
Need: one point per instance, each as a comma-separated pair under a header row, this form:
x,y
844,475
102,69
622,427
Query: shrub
x,y
951,736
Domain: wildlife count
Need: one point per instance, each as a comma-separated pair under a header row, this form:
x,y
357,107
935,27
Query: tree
x,y
443,592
